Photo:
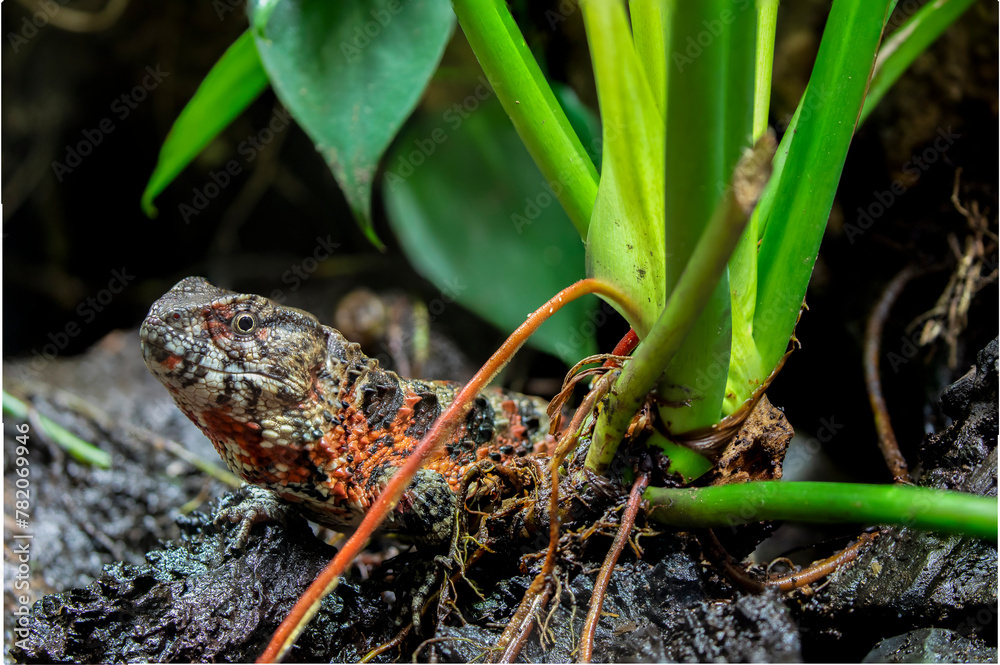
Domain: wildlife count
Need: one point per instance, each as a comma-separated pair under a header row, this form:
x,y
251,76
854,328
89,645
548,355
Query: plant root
x,y
601,584
382,648
949,316
821,569
873,344
785,583
535,598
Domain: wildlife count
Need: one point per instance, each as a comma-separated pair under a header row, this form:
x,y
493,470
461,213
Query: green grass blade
x,y
803,196
709,121
77,448
528,100
233,83
625,242
903,505
905,44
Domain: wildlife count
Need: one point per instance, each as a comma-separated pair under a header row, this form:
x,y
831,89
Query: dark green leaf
x,y
476,217
232,84
351,73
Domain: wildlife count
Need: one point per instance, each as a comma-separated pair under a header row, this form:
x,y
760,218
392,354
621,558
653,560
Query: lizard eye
x,y
244,323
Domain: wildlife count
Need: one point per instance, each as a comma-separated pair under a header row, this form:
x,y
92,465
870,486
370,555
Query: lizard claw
x,y
249,506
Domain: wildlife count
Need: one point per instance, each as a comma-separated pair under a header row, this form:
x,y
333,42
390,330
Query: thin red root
x,y
601,584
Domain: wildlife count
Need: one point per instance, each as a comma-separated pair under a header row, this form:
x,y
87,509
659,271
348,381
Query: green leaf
x,y
625,242
528,99
351,73
233,83
805,180
476,217
909,41
746,373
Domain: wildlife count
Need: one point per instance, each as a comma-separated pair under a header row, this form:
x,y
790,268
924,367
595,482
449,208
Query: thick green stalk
x,y
686,302
650,19
904,505
746,372
625,242
709,121
528,100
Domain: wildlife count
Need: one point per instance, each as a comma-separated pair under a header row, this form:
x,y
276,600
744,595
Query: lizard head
x,y
243,354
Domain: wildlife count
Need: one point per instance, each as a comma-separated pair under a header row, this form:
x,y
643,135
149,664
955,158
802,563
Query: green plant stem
x,y
629,210
904,505
688,299
767,20
649,21
910,40
528,100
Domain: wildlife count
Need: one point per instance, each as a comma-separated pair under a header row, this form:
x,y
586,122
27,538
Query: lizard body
x,y
293,407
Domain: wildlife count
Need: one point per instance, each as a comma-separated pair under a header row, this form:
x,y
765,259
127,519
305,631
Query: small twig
x,y
873,346
601,584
